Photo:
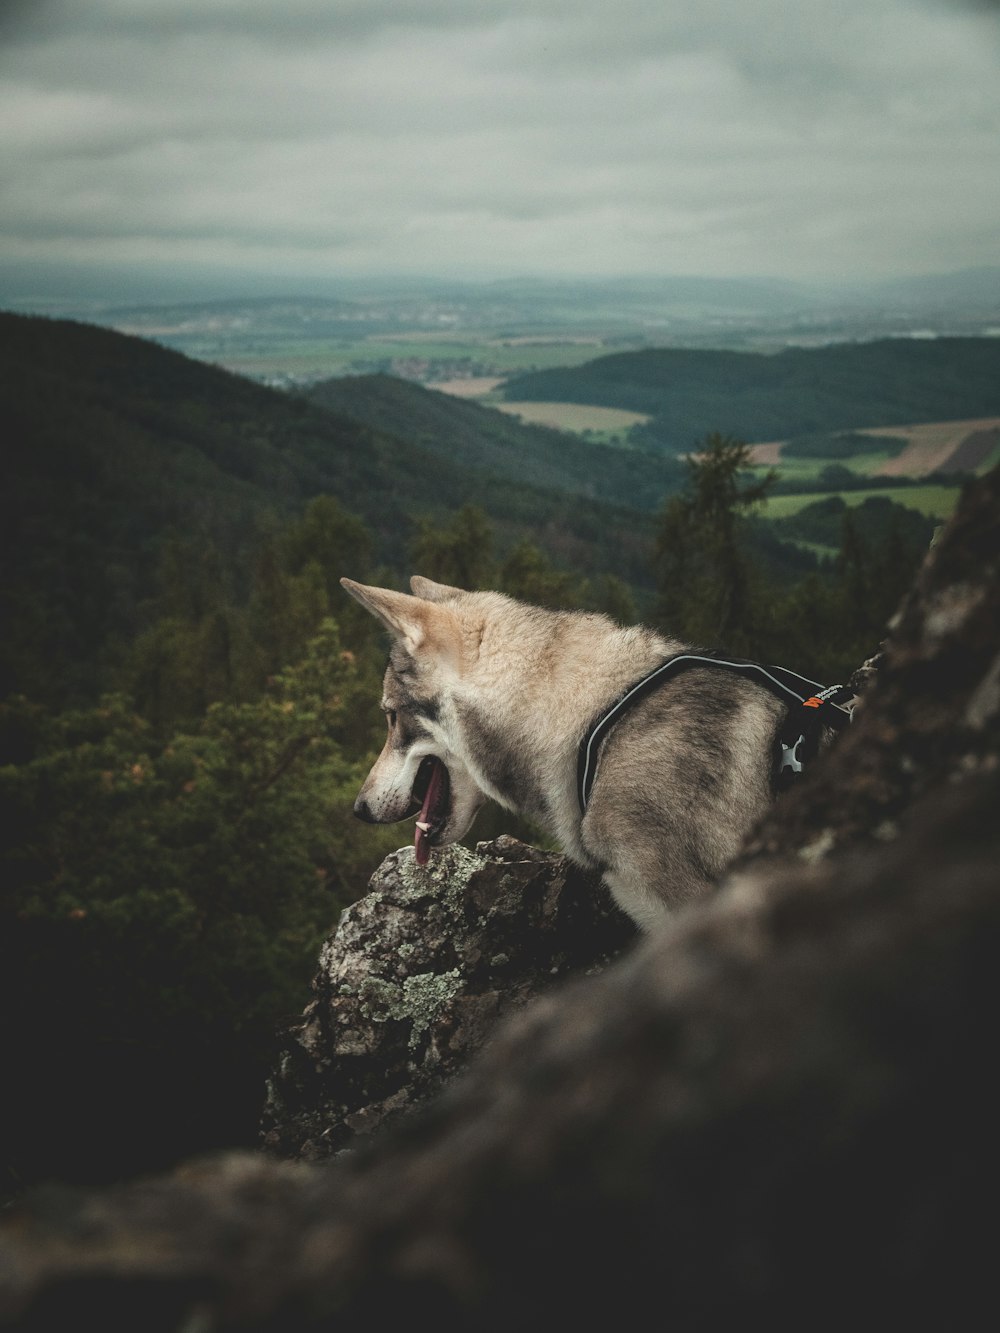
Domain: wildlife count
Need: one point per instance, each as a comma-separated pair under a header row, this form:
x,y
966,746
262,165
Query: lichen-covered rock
x,y
417,974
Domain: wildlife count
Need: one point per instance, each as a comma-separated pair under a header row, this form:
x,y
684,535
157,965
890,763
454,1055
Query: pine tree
x,y
707,590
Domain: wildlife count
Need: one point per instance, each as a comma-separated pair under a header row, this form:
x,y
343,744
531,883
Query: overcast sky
x,y
790,138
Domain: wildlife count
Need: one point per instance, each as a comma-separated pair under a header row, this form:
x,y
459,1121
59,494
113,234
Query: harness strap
x,y
811,708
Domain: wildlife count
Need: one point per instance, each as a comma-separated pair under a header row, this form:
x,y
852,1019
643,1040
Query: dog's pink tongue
x,y
421,840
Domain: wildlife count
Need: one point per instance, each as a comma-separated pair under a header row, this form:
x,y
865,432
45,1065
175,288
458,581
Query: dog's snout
x,y
363,811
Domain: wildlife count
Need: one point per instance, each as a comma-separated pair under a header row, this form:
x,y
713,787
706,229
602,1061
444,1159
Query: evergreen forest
x,y
796,392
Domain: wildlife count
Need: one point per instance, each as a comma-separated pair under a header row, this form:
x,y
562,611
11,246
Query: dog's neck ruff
x,y
809,711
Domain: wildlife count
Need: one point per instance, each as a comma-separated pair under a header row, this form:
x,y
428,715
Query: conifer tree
x,y
706,580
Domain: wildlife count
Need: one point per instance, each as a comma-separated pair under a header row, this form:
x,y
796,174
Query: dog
x,y
489,698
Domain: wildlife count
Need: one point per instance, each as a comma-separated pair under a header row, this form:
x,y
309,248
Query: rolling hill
x,y
757,397
114,446
113,443
465,435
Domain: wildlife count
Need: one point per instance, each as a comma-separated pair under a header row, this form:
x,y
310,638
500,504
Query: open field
x,y
934,444
473,386
806,470
547,340
969,446
934,501
574,416
301,361
766,455
428,357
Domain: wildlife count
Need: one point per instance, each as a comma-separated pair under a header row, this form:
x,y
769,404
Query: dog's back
x,y
680,781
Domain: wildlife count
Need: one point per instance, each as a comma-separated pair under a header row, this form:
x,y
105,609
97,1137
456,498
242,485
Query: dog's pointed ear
x,y
429,591
398,612
411,621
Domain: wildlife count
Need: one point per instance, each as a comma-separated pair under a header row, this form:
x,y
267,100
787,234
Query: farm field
x,y
472,386
431,358
574,417
971,445
806,470
935,445
933,501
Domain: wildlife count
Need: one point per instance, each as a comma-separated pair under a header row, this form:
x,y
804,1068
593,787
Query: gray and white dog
x,y
488,697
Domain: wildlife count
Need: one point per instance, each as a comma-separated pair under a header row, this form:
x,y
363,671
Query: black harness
x,y
811,707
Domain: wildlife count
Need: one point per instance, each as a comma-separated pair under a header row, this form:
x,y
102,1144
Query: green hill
x,y
115,445
112,443
755,396
467,435
116,449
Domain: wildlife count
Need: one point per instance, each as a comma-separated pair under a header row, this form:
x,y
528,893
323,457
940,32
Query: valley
x,y
446,332
119,448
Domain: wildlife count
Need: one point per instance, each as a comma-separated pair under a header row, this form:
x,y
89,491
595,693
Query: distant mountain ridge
x,y
759,397
67,288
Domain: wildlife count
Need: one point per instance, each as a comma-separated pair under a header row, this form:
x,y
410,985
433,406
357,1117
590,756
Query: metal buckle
x,y
789,756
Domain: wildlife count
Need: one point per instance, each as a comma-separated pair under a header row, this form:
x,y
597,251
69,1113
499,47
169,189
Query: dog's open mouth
x,y
431,790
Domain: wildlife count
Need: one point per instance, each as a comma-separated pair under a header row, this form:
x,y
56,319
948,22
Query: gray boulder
x,y
416,976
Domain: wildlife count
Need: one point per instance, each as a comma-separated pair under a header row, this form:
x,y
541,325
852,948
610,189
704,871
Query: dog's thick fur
x,y
502,693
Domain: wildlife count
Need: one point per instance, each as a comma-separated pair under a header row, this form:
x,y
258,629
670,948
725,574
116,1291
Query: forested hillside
x,y
149,537
466,435
135,475
774,397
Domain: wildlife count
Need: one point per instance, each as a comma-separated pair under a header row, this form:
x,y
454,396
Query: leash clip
x,y
789,757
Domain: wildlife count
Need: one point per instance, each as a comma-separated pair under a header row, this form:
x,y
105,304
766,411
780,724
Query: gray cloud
x,y
503,135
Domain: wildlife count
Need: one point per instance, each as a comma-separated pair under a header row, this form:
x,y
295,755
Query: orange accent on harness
x,y
812,703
